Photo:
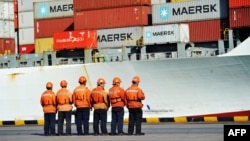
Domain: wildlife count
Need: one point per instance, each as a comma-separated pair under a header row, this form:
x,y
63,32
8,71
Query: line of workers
x,y
97,99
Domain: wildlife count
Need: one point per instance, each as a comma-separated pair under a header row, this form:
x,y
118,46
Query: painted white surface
x,y
25,19
175,87
26,36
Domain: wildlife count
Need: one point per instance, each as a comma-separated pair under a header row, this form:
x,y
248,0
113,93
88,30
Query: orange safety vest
x,y
134,95
47,99
81,96
99,98
115,96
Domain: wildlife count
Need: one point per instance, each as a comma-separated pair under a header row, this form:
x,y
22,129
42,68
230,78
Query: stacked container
x,y
7,28
239,11
51,17
205,18
26,39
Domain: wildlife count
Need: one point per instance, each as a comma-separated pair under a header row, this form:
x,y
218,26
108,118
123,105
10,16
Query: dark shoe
x,y
53,134
80,134
67,134
130,134
86,134
96,134
46,134
112,134
59,134
140,134
105,134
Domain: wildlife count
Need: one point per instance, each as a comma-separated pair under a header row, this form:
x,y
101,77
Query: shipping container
x,y
238,3
118,37
7,46
75,39
26,36
15,6
7,29
158,1
6,10
189,11
26,19
180,0
26,49
15,21
27,5
44,45
82,5
53,9
239,17
206,31
47,27
162,34
112,18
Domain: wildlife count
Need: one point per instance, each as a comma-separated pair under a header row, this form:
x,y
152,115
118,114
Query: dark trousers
x,y
64,115
49,123
82,120
135,119
100,115
117,119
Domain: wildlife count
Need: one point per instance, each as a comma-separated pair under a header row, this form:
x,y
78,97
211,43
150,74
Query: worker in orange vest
x,y
48,102
100,102
64,107
118,101
134,97
81,100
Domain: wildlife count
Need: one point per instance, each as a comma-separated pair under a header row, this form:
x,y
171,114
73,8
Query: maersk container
x,y
82,5
26,36
206,31
158,1
27,5
189,11
238,3
112,18
239,17
47,27
118,37
6,10
162,34
7,29
53,9
25,19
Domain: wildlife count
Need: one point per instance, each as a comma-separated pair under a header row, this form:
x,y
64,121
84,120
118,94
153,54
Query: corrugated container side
x,y
16,21
47,27
26,36
112,18
238,3
7,29
206,31
81,5
26,19
44,44
118,37
27,5
6,11
180,0
26,49
7,46
15,6
75,39
53,9
239,17
189,11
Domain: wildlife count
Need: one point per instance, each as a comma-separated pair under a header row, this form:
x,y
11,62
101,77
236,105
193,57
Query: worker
x,y
117,98
100,102
81,100
48,102
134,96
64,107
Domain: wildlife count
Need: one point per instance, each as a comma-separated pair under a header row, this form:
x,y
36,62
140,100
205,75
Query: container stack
x,y
206,19
7,28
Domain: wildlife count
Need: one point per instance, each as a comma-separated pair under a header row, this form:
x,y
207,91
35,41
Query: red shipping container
x,y
7,46
206,31
15,6
16,20
239,17
238,3
112,18
26,49
47,27
81,5
75,39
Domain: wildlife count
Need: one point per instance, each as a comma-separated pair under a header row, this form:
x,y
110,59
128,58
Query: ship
x,y
188,74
